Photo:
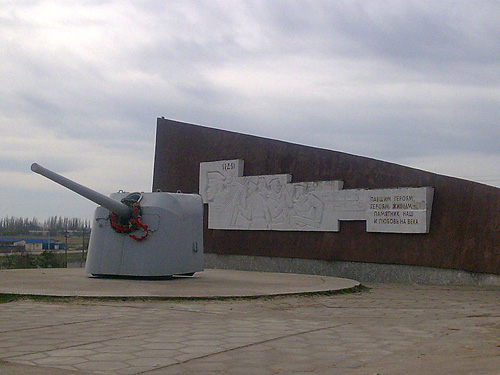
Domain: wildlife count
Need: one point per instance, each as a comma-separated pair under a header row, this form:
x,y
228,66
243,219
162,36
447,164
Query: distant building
x,y
8,245
30,244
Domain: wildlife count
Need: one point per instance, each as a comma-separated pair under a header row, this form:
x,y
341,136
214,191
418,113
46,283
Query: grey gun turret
x,y
171,225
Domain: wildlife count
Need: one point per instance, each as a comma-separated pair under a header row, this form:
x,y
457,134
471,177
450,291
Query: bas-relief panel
x,y
273,202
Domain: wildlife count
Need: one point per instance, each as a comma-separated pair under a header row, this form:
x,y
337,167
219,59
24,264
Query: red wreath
x,y
132,224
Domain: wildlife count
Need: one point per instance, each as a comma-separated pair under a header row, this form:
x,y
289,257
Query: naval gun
x,y
138,234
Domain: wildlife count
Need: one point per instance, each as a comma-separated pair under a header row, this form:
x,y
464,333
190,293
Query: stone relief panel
x,y
273,202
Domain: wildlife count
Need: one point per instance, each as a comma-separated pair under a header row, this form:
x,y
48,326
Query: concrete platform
x,y
209,284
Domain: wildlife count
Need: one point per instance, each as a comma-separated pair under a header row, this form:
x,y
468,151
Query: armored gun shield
x,y
141,234
174,244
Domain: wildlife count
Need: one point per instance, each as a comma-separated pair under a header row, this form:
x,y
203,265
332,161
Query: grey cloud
x,y
65,165
428,38
386,79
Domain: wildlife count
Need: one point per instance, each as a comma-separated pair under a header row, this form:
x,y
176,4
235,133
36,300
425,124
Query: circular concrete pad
x,y
74,282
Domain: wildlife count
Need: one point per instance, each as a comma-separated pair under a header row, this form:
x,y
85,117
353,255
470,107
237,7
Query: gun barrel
x,y
111,204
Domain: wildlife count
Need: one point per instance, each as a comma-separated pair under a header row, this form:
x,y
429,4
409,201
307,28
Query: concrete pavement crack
x,y
244,346
66,347
54,325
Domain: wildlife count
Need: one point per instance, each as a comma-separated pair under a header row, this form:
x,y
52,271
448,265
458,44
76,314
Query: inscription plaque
x,y
401,210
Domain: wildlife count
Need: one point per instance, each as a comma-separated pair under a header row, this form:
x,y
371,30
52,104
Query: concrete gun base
x,y
209,284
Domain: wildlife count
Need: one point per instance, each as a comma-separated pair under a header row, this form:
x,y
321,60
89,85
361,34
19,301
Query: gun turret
x,y
111,204
171,222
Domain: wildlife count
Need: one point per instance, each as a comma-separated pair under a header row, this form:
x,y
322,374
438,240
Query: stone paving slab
x,y
389,329
206,284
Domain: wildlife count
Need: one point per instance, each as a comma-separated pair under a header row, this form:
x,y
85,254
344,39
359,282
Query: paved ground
x,y
389,329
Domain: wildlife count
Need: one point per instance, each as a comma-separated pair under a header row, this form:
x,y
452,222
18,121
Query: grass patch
x,y
6,298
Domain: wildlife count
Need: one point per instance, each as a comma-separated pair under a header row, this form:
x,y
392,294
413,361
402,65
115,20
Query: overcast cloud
x,y
411,82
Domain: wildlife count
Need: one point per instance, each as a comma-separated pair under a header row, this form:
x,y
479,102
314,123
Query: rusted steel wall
x,y
465,225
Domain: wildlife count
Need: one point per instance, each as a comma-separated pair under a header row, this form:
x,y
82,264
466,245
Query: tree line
x,y
54,225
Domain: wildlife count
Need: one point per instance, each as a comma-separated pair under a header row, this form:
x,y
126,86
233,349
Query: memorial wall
x,y
271,198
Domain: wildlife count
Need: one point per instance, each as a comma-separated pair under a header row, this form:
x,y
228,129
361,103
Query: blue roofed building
x,y
30,244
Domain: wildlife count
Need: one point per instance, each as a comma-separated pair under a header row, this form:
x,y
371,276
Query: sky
x,y
82,83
